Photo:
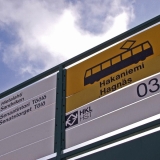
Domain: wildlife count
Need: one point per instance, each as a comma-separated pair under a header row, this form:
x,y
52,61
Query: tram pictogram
x,y
132,55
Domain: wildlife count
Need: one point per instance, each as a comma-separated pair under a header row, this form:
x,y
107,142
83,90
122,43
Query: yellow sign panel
x,y
114,68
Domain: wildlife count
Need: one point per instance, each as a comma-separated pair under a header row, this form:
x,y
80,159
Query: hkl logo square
x,y
72,119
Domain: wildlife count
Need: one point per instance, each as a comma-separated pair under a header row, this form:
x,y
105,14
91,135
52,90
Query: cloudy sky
x,y
36,35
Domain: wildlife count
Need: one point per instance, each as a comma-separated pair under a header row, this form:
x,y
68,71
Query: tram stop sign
x,y
92,108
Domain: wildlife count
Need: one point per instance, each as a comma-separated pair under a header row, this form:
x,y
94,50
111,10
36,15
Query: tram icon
x,y
131,55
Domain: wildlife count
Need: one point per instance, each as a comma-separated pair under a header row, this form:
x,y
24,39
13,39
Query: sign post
x,y
44,116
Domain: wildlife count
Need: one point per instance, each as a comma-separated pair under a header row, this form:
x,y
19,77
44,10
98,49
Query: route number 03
x,y
152,86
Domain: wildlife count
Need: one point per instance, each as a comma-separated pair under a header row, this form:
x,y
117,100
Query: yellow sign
x,y
114,68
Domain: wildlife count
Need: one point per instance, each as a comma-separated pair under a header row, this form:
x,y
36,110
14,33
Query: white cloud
x,y
49,32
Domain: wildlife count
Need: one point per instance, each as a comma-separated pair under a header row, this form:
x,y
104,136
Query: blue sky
x,y
37,35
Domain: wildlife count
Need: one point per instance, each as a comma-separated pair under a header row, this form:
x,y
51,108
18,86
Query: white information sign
x,y
113,111
27,121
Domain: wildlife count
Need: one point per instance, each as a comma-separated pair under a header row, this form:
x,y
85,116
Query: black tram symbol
x,y
118,62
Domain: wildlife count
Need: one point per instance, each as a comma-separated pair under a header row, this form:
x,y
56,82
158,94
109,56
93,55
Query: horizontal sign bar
x,y
144,146
32,151
113,68
113,121
30,120
48,157
27,137
28,107
28,92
